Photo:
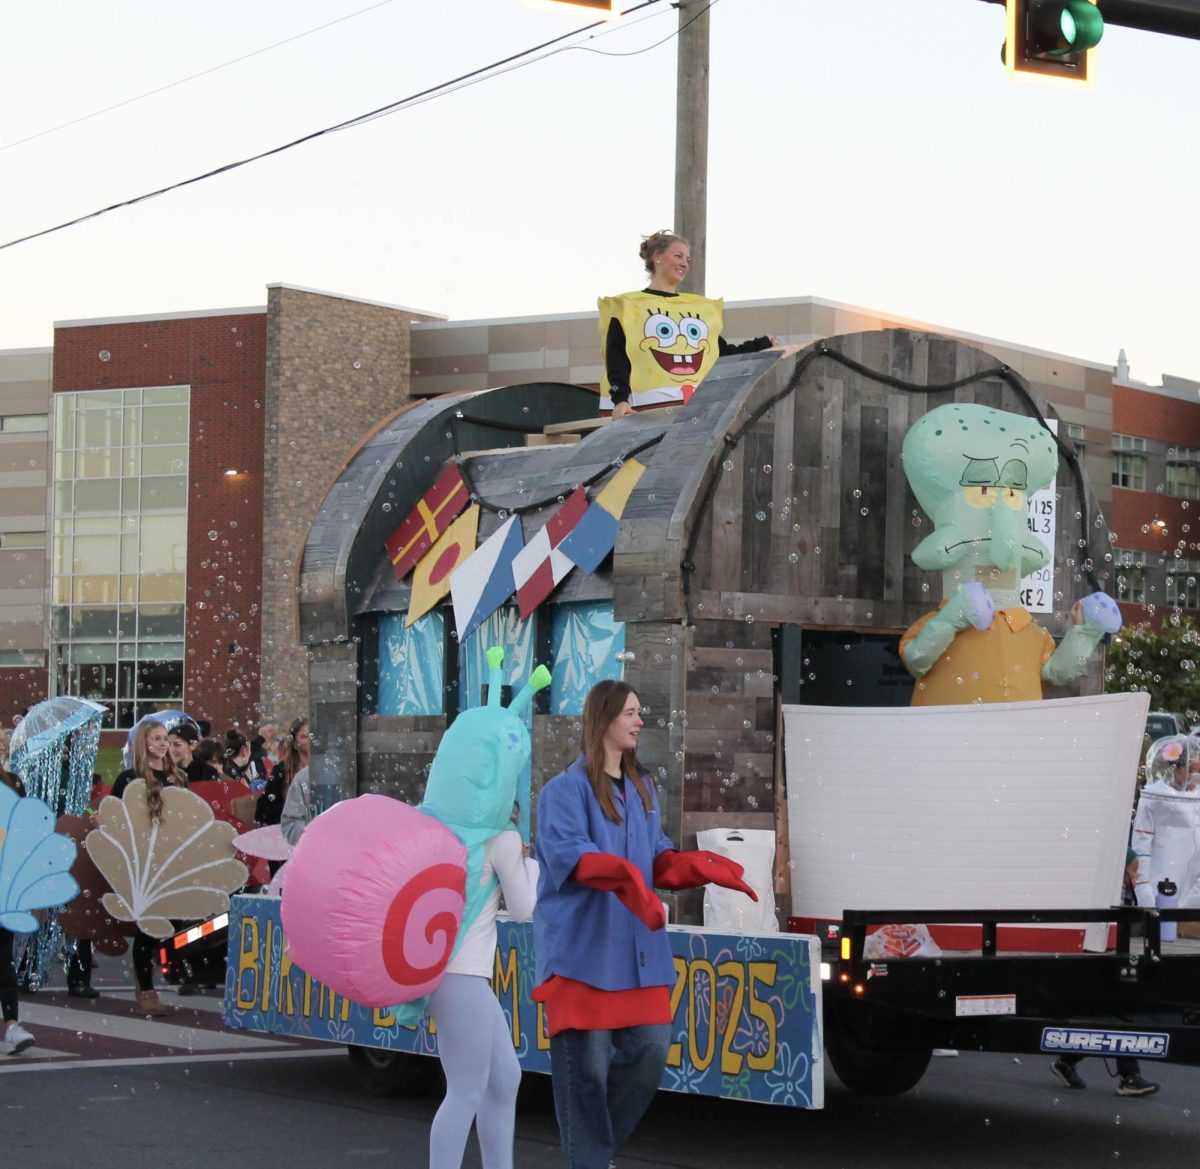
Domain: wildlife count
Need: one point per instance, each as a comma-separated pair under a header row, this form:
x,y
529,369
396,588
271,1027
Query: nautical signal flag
x,y
427,521
593,537
481,585
539,566
431,581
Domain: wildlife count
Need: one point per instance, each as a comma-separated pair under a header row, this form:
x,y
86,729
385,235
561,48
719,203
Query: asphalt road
x,y
106,1088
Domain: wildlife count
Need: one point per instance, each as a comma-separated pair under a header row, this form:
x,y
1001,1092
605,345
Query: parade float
x,y
751,561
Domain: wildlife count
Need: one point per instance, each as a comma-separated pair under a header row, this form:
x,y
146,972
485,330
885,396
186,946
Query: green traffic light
x,y
1081,26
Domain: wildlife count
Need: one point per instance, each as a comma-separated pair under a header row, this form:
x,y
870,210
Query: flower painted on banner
x,y
737,1087
789,1081
686,1078
750,947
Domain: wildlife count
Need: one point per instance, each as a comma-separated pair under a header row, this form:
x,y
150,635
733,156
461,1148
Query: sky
x,y
872,152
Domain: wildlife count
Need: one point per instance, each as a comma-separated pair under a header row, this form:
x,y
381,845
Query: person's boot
x,y
81,990
150,1004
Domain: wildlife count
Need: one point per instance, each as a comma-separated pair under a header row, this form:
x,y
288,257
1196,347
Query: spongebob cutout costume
x,y
671,342
970,468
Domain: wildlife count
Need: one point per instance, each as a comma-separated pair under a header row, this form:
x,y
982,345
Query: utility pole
x,y
691,136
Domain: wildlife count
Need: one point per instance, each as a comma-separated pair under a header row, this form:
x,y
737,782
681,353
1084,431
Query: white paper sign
x,y
1037,589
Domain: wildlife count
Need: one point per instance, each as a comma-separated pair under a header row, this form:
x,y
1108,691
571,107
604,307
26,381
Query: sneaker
x,y
1136,1086
17,1038
1067,1073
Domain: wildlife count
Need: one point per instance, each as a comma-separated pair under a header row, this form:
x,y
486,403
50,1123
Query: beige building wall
x,y
346,362
25,390
476,355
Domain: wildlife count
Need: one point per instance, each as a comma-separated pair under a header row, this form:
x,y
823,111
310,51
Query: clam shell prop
x,y
35,862
181,866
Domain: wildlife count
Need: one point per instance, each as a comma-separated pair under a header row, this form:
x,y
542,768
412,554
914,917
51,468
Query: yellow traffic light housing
x,y
605,9
1052,39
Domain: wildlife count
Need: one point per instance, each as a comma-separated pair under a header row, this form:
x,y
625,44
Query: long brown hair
x,y
141,764
292,761
604,702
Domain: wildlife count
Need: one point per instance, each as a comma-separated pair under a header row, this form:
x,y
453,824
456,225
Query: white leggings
x,y
482,1074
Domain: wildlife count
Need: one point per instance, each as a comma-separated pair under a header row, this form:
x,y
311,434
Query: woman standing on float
x,y
604,965
659,343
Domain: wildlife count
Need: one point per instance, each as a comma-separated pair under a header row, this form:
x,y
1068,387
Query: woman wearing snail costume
x,y
472,790
658,343
604,965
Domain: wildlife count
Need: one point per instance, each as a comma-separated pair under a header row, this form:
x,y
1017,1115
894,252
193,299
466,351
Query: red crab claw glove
x,y
614,874
686,870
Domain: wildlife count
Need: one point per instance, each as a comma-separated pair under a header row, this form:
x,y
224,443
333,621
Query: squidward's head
x,y
972,469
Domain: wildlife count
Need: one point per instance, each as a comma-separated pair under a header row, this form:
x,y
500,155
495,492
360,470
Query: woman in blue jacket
x,y
604,964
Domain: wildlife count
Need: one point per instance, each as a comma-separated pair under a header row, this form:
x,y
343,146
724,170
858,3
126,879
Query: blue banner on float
x,y
746,1006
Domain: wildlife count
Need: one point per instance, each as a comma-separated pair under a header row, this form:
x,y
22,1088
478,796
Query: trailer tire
x,y
394,1073
873,1071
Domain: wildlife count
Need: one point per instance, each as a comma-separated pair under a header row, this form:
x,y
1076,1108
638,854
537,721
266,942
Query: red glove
x,y
614,874
686,870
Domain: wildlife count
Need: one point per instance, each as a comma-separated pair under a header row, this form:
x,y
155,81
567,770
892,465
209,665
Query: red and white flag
x,y
540,566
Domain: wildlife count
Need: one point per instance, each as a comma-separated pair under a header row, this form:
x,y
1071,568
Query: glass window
x,y
102,496
1129,471
164,460
1128,442
96,554
160,395
164,424
87,590
162,586
120,524
164,493
22,540
64,420
98,429
1131,575
24,423
159,679
158,621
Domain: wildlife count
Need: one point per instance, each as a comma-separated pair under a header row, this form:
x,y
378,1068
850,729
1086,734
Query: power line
x,y
473,77
191,77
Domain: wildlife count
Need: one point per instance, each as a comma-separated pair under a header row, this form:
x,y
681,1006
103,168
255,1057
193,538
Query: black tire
x,y
394,1073
872,1071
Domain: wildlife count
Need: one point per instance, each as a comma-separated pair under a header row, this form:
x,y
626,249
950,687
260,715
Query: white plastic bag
x,y
728,909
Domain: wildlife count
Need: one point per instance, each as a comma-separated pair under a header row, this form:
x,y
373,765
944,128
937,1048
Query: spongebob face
x,y
971,469
671,342
678,343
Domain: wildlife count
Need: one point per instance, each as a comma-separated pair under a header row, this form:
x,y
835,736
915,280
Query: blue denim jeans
x,y
603,1084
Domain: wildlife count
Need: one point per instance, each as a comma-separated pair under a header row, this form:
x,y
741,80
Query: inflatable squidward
x,y
972,469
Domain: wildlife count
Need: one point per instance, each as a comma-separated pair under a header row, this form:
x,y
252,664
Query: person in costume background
x,y
17,1038
472,790
660,343
604,966
151,762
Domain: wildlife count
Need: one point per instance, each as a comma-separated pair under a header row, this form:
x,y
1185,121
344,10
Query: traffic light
x,y
1052,38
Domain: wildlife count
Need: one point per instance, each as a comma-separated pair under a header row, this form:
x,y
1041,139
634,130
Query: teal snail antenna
x,y
538,680
495,659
